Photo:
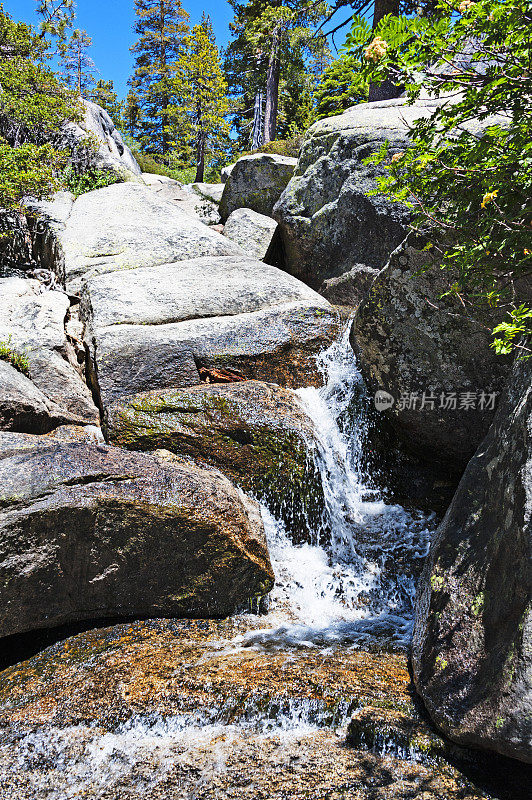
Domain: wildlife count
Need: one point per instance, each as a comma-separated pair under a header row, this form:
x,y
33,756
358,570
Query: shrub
x,y
33,109
470,182
89,180
283,147
17,359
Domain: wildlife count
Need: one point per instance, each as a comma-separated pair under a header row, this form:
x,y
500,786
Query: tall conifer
x,y
202,118
161,28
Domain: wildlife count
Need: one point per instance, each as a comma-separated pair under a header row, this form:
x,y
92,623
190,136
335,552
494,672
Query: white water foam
x,y
356,582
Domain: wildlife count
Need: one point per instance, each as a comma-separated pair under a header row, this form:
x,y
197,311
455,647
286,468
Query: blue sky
x,y
110,24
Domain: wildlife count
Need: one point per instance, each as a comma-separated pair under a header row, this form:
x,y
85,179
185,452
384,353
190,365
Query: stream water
x,y
256,707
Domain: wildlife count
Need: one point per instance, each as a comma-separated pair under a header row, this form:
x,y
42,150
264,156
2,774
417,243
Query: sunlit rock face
x,y
256,182
128,225
328,223
89,531
111,152
158,327
472,651
253,232
32,324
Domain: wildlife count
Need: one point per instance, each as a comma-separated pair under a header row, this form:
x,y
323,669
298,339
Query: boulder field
x,y
256,182
119,307
159,327
186,346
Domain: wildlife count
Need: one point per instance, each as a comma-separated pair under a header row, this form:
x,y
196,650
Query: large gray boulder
x,y
127,225
472,650
111,153
328,224
198,204
158,327
32,322
257,433
425,350
90,531
23,407
209,191
256,182
252,232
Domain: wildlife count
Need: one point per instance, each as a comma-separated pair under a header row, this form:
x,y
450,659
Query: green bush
x,y
33,108
471,184
148,163
88,180
17,359
283,147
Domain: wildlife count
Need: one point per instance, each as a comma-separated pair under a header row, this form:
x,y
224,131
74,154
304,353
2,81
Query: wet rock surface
x,y
472,652
256,182
256,433
158,327
90,531
180,710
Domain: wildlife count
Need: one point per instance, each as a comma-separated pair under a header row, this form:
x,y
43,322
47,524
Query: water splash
x,y
356,581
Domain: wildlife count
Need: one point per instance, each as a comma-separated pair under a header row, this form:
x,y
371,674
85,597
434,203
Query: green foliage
x,y
57,18
132,115
161,28
33,108
340,87
283,147
201,118
148,163
88,180
17,358
468,170
300,54
78,67
105,96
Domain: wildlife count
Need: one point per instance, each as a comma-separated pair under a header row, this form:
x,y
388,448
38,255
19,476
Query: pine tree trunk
x,y
200,169
386,90
272,92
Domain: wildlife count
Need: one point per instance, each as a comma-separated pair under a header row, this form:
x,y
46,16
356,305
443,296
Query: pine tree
x,y
339,88
78,67
272,41
161,27
202,119
132,114
57,17
105,96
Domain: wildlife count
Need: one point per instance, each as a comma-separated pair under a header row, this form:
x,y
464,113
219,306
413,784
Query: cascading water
x,y
356,581
290,680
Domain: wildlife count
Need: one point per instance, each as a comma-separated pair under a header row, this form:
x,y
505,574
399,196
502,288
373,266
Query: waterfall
x,y
356,581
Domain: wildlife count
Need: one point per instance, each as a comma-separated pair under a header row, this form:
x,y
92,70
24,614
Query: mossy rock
x,y
254,432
